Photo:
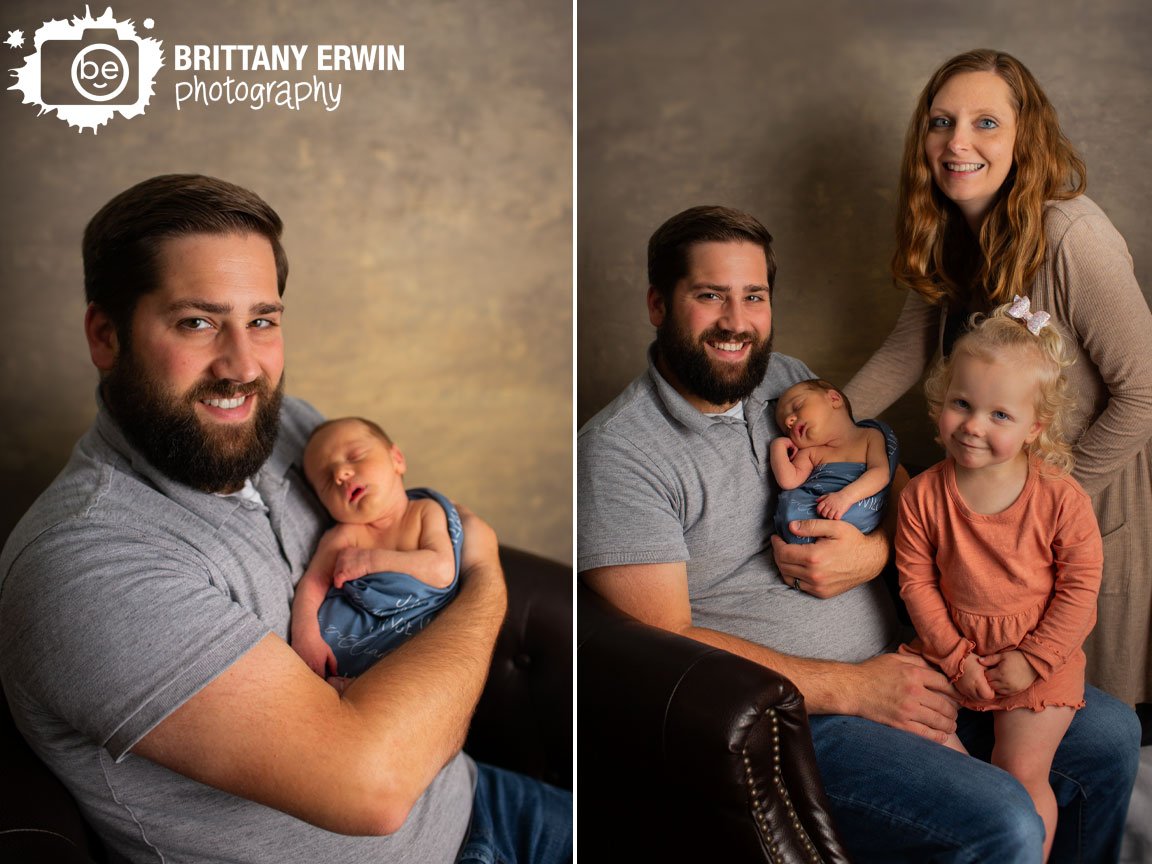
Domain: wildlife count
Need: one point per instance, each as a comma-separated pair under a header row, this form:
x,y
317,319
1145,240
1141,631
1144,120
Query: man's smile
x,y
231,409
729,347
225,403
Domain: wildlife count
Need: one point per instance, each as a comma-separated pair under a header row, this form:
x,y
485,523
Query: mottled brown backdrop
x,y
428,224
796,112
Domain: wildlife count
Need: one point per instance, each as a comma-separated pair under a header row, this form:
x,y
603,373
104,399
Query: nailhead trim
x,y
759,808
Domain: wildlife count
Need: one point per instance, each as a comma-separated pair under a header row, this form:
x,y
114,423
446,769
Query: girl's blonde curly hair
x,y
991,336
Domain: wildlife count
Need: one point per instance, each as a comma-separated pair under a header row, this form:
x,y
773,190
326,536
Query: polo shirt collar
x,y
683,411
214,508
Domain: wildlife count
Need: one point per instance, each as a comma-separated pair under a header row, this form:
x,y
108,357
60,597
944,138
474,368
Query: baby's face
x,y
811,416
354,472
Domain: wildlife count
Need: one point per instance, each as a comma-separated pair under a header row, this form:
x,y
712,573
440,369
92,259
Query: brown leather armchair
x,y
523,721
689,753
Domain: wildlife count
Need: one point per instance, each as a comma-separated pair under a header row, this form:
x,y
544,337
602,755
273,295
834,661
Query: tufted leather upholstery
x,y
689,753
523,721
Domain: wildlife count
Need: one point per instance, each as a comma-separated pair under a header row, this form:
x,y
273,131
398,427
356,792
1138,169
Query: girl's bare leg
x,y
1026,741
954,742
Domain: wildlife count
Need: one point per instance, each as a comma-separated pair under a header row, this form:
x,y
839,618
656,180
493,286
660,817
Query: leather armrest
x,y
687,752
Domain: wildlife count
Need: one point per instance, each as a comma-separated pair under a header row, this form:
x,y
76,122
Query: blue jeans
x,y
517,820
897,797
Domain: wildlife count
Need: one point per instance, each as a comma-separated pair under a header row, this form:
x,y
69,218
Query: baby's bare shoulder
x,y
425,512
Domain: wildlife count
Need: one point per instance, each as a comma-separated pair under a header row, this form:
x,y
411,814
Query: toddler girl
x,y
998,549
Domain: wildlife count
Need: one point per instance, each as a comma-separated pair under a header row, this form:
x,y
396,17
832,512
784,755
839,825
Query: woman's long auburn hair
x,y
1011,245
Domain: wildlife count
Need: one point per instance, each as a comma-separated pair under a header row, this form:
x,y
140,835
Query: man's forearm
x,y
827,686
415,704
268,729
894,689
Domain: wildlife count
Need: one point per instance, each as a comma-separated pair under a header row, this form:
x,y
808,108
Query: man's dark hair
x,y
668,247
122,242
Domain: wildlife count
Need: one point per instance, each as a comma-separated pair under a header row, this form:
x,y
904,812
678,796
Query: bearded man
x,y
145,597
676,496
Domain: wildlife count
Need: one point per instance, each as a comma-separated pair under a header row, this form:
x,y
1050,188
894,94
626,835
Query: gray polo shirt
x,y
122,594
659,482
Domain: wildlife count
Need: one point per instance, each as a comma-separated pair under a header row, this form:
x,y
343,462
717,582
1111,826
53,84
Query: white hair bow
x,y
1021,310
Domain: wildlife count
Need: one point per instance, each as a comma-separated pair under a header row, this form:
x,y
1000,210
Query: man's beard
x,y
165,428
710,380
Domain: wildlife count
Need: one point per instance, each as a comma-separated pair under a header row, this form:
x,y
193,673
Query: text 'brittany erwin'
x,y
287,58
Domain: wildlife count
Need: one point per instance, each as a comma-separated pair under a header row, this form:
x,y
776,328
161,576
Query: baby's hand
x,y
784,444
317,654
352,563
1009,672
973,683
833,505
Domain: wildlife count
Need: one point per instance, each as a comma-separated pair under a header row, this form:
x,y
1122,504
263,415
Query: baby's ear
x,y
398,461
835,398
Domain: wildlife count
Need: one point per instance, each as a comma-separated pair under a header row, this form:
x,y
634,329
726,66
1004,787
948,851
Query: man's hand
x,y
903,691
841,558
1009,672
480,551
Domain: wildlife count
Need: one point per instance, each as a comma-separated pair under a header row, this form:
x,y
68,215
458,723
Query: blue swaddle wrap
x,y
800,503
372,615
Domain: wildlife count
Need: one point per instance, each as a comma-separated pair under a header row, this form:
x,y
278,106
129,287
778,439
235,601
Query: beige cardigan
x,y
1087,284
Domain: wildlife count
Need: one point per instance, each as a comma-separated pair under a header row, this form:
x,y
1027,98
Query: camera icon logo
x,y
99,68
89,70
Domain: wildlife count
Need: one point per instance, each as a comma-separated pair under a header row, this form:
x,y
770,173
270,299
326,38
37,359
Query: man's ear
x,y
656,306
103,343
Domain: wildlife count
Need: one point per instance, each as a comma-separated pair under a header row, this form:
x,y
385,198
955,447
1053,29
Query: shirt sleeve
x,y
942,642
900,361
1078,557
627,509
1111,318
112,629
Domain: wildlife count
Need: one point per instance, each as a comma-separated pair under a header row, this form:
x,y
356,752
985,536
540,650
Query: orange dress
x,y
1024,578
